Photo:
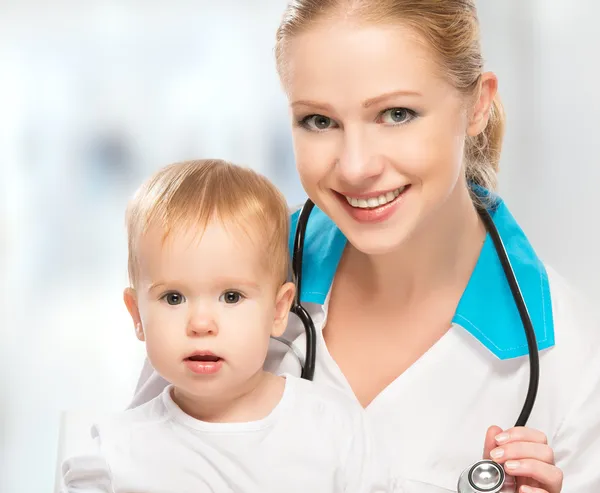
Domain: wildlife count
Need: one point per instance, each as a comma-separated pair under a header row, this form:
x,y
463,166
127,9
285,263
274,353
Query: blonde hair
x,y
190,194
450,28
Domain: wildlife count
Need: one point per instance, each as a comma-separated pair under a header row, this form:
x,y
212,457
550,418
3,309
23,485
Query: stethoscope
x,y
485,476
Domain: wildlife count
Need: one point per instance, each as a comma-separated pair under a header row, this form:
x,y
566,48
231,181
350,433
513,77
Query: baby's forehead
x,y
228,246
218,249
214,237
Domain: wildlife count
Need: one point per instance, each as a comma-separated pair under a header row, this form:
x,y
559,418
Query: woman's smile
x,y
372,207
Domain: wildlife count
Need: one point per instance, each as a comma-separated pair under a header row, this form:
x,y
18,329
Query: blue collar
x,y
486,309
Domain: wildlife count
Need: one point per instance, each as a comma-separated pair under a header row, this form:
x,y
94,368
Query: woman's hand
x,y
526,455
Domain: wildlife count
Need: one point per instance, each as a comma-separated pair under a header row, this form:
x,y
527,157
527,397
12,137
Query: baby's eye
x,y
231,297
173,298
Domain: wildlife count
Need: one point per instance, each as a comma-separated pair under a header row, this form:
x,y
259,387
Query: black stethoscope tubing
x,y
308,368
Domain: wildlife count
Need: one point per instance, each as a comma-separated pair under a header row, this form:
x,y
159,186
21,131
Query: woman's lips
x,y
363,209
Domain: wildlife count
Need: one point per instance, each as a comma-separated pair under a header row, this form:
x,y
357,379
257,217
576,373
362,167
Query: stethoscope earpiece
x,y
485,476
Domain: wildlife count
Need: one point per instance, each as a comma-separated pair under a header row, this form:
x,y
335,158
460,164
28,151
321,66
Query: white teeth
x,y
375,201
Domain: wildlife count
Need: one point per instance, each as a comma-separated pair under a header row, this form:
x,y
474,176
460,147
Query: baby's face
x,y
207,307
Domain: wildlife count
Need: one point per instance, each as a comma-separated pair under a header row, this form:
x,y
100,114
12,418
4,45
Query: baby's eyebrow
x,y
155,285
236,282
222,283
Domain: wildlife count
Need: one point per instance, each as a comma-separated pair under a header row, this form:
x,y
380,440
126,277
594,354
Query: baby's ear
x,y
283,302
131,302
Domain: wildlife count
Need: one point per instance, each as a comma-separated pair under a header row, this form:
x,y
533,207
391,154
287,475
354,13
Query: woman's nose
x,y
358,163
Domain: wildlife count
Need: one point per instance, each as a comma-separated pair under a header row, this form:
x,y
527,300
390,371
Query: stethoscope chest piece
x,y
484,476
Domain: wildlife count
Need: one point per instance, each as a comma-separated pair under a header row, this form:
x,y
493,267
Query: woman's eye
x,y
396,116
317,123
174,298
231,297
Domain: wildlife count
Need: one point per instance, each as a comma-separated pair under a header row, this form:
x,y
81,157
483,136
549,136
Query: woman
x,y
397,135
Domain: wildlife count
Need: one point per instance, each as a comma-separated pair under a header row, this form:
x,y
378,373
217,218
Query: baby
x,y
208,267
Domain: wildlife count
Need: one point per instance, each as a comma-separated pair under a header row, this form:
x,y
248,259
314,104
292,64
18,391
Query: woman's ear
x,y
481,110
131,302
285,297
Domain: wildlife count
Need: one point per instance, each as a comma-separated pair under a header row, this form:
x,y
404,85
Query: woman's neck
x,y
441,255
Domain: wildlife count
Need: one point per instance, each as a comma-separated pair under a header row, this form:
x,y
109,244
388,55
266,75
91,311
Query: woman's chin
x,y
380,238
375,244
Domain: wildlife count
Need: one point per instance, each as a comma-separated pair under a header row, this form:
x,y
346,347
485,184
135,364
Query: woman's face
x,y
378,133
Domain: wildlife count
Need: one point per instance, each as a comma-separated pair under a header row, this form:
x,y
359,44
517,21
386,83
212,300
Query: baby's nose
x,y
202,324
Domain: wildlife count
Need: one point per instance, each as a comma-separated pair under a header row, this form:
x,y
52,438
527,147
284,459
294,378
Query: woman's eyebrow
x,y
365,104
312,104
389,95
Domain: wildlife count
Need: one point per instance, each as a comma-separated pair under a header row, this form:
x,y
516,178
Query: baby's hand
x,y
526,456
86,473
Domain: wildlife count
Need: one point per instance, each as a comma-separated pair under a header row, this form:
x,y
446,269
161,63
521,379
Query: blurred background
x,y
96,95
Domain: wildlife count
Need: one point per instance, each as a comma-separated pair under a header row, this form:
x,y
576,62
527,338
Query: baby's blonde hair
x,y
190,194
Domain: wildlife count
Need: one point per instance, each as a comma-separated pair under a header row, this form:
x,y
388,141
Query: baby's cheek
x,y
161,353
251,351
